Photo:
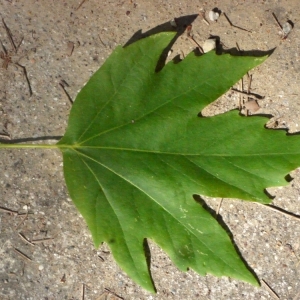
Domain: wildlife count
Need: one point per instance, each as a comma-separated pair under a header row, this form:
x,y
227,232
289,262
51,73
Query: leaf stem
x,y
32,146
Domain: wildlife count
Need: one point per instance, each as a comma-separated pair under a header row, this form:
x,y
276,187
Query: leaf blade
x,y
139,139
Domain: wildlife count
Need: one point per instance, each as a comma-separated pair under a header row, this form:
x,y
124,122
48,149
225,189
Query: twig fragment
x,y
219,206
241,84
228,19
80,4
113,293
22,221
82,291
249,83
256,96
62,84
189,34
9,36
37,241
101,258
7,210
270,289
232,25
22,254
6,55
23,214
277,22
26,77
102,41
5,136
23,237
182,53
248,90
19,45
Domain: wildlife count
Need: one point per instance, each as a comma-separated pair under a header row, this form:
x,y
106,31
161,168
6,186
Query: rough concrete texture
x,y
32,180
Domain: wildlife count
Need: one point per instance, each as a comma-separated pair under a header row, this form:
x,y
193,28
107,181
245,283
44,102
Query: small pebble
x,y
213,16
252,106
286,28
173,23
41,267
209,45
70,48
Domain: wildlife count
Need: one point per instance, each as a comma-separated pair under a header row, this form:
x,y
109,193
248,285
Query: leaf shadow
x,y
181,25
270,195
222,223
147,253
220,49
237,52
283,211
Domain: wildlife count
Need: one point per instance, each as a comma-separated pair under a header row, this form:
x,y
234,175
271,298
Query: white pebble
x,y
41,267
213,16
286,28
209,45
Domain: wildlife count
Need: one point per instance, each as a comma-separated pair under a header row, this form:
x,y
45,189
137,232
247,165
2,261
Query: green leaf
x,y
135,152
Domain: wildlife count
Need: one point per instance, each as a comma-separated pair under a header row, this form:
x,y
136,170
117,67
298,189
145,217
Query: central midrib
x,y
78,147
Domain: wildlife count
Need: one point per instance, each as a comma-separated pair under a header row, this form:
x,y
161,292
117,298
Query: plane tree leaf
x,y
135,151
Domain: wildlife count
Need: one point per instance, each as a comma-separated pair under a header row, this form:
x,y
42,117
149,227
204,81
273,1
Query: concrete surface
x,y
32,180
